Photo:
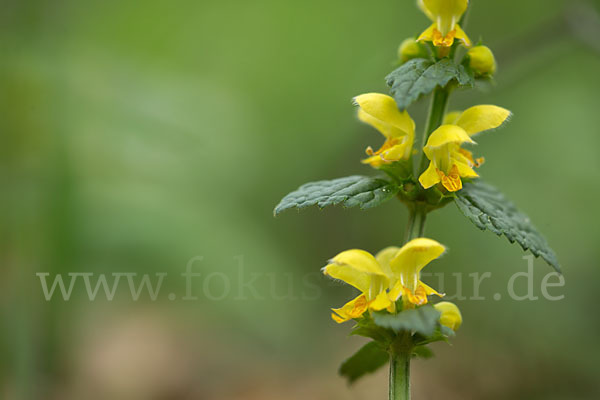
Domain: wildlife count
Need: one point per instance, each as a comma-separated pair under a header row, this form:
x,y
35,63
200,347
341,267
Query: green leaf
x,y
419,77
422,352
365,192
441,334
366,327
367,360
487,208
399,171
423,320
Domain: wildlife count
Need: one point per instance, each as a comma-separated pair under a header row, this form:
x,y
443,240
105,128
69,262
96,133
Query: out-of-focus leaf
x,y
366,327
422,320
422,352
367,360
489,209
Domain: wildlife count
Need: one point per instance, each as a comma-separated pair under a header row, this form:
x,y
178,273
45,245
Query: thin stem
x,y
416,224
400,376
422,217
410,226
400,356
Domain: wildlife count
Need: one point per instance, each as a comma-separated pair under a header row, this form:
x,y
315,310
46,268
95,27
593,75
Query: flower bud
x,y
482,61
410,49
451,316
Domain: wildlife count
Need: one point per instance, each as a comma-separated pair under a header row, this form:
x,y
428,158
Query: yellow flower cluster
x,y
393,274
384,278
390,275
449,162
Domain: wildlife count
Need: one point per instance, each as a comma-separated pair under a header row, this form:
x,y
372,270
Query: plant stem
x,y
400,360
416,224
400,376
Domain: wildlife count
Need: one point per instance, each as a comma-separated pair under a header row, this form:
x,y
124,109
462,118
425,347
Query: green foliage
x,y
442,334
365,192
366,327
368,359
420,77
422,352
400,171
423,320
489,209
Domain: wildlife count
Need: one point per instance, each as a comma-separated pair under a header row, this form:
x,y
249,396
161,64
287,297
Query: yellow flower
x,y
482,61
383,279
381,112
445,15
449,162
450,315
406,265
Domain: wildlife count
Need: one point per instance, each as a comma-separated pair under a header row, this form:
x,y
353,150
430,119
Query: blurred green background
x,y
137,135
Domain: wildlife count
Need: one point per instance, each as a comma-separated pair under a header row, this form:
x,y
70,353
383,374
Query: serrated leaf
x,y
367,360
489,209
419,77
363,191
423,320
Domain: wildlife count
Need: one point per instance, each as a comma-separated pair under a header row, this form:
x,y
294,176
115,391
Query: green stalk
x,y
416,224
400,358
401,355
400,376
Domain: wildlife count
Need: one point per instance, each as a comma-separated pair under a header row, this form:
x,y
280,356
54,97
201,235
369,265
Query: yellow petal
x,y
482,118
440,40
353,309
377,158
396,291
462,36
450,315
418,297
384,109
425,10
464,170
386,129
338,319
430,177
446,134
397,152
374,161
452,117
451,181
466,157
412,257
381,302
385,256
446,12
356,268
429,290
428,34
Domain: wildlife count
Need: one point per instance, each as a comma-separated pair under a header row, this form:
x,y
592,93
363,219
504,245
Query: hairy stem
x,y
400,376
